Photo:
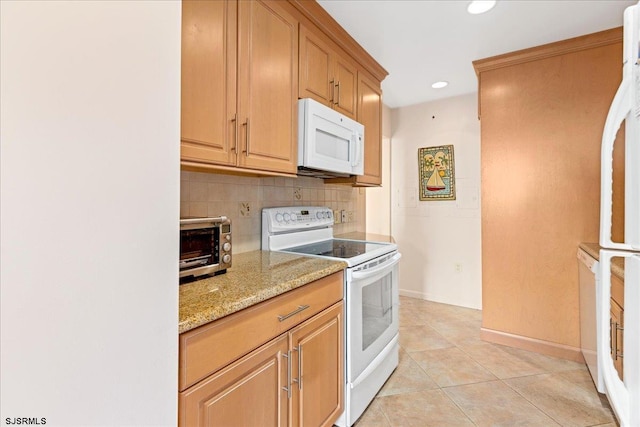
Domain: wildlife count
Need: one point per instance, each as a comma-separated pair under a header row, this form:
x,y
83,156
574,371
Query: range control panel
x,y
296,218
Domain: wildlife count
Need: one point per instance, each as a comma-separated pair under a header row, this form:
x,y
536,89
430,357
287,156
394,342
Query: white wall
x,y
90,95
439,240
379,198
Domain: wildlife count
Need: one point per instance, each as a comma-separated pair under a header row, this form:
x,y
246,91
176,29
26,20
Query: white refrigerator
x,y
623,394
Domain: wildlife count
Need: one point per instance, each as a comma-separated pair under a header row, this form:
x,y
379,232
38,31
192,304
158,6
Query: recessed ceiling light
x,y
439,85
480,6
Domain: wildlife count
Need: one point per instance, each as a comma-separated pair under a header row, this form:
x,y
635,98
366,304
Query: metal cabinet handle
x,y
618,352
338,86
293,313
235,136
288,387
612,342
246,136
332,86
300,367
299,379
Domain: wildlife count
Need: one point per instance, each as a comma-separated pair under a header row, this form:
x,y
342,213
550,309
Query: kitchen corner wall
x,y
440,240
242,199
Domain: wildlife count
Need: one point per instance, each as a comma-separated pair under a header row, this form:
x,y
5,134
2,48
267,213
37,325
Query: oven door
x,y
372,315
199,248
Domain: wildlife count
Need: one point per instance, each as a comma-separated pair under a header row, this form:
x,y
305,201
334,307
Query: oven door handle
x,y
213,220
360,275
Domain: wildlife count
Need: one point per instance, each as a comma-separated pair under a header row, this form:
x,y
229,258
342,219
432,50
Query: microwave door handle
x,y
356,143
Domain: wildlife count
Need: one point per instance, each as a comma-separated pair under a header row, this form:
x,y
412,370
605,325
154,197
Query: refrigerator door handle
x,y
620,109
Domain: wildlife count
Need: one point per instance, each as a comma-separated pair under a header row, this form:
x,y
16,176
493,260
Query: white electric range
x,y
371,295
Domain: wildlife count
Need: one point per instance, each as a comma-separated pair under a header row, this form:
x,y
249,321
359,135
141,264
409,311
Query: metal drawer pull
x,y
293,313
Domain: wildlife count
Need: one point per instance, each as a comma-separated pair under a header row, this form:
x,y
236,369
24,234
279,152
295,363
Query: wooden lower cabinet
x,y
296,378
617,324
245,393
319,377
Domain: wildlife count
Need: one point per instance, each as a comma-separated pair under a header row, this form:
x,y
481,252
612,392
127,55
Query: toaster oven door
x,y
199,247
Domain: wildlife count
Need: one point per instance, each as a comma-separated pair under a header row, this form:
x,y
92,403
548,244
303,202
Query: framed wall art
x,y
437,173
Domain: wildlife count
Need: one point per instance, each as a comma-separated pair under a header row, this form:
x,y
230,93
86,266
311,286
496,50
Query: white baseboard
x,y
460,302
531,344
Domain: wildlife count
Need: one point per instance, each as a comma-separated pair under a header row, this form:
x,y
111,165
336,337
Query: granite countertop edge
x,y
593,250
255,277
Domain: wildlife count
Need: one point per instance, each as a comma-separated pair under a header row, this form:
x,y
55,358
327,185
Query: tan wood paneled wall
x,y
542,113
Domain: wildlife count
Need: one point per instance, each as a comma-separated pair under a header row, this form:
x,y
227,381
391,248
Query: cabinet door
x,y
249,392
267,86
616,337
318,387
370,115
346,83
207,127
316,75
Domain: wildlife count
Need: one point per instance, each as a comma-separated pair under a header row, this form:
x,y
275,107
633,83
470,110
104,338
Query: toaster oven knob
x,y
226,247
226,259
228,237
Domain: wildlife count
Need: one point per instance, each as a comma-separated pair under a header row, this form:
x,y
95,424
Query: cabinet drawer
x,y
213,346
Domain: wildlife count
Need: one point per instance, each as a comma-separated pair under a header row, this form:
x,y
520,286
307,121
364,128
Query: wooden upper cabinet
x,y
208,81
370,115
239,85
267,87
325,75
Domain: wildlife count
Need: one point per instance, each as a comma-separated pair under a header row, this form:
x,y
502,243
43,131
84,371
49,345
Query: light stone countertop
x,y
254,277
593,249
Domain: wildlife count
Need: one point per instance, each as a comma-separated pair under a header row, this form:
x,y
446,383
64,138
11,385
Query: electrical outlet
x,y
337,218
343,216
245,209
457,267
351,216
297,193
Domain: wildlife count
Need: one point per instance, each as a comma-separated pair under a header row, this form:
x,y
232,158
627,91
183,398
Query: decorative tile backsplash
x,y
242,199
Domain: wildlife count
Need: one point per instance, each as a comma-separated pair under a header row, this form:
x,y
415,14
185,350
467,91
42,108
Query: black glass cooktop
x,y
337,248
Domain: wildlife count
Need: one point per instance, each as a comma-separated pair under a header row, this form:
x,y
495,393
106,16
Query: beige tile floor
x,y
447,376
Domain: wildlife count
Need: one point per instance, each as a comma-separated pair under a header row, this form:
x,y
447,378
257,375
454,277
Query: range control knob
x,y
279,217
320,215
226,259
287,217
226,247
293,217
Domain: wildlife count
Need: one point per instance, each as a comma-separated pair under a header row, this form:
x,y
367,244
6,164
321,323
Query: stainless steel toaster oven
x,y
205,246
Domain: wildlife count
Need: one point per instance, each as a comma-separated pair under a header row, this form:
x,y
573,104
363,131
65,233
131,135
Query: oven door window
x,y
199,247
372,314
377,310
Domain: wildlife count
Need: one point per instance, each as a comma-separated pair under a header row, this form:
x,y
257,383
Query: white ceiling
x,y
420,42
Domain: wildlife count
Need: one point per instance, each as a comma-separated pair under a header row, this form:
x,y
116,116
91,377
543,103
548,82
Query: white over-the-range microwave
x,y
330,144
